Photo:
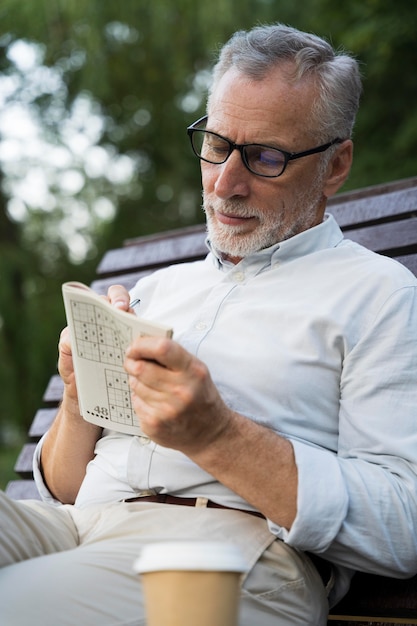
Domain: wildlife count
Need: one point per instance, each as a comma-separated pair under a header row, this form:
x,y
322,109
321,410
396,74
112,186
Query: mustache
x,y
232,206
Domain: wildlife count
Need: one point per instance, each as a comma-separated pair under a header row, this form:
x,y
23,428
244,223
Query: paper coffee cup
x,y
191,583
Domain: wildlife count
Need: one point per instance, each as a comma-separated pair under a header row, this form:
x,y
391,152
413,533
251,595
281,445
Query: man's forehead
x,y
270,104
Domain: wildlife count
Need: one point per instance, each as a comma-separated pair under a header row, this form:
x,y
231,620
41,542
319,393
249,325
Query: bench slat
x,y
410,261
350,213
127,280
54,390
380,189
392,236
363,620
22,490
152,254
377,603
41,423
23,466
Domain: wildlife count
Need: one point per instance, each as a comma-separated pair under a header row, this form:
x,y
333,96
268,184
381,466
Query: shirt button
x,y
239,277
201,326
144,440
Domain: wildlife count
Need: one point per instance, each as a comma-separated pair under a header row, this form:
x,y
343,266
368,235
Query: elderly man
x,y
282,413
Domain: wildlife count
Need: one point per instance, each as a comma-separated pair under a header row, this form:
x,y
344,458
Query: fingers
x,y
161,350
119,297
160,372
177,404
149,349
64,345
161,368
154,386
65,364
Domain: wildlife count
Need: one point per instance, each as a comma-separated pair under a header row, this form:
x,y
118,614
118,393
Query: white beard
x,y
273,226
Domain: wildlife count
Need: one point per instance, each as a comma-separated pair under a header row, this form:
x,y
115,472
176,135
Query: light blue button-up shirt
x,y
316,338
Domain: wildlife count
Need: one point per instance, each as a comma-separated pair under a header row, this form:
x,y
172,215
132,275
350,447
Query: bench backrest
x,y
382,218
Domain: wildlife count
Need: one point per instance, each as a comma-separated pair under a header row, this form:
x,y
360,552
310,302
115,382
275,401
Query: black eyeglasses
x,y
259,159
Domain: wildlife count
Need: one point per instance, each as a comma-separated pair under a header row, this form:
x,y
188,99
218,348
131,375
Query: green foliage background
x,y
144,67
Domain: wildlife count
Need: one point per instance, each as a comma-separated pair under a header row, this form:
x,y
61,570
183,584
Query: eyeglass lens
x,y
259,159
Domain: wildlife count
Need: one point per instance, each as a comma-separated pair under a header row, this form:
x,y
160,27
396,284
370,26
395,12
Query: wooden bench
x,y
382,218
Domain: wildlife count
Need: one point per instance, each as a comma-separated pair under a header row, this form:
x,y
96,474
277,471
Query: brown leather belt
x,y
165,498
323,567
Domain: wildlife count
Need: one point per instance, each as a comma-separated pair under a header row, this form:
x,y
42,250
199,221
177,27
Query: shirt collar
x,y
325,235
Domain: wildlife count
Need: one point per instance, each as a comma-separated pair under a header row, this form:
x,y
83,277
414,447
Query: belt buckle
x,y
141,494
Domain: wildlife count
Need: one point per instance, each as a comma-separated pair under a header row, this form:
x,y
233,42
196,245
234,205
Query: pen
x,y
134,303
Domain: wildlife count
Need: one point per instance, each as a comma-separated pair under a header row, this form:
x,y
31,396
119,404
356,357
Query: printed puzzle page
x,y
100,334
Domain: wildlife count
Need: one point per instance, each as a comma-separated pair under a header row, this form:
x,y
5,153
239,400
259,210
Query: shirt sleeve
x,y
44,492
358,506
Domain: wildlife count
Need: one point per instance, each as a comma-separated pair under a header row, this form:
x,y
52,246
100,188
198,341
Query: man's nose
x,y
233,178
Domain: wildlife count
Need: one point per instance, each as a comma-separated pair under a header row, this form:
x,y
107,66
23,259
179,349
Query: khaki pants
x,y
65,566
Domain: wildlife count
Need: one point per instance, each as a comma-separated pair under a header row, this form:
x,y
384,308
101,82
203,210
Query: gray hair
x,y
256,52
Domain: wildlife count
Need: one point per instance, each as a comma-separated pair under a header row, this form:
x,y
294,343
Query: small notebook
x,y
100,334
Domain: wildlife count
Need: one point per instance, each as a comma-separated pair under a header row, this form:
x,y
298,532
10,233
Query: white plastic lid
x,y
190,555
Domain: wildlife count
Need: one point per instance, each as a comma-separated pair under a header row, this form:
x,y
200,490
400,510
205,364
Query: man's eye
x,y
217,146
268,157
214,149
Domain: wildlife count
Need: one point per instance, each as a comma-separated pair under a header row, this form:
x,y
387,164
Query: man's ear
x,y
338,168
